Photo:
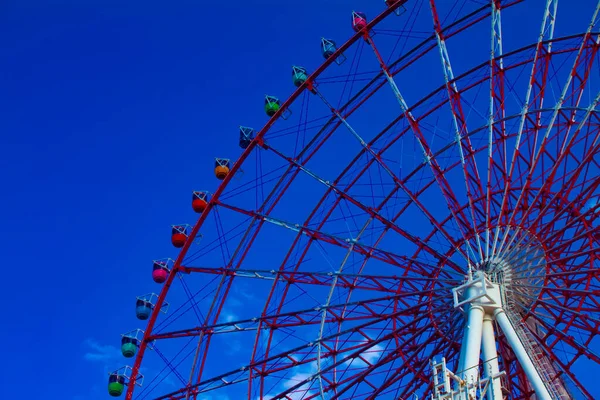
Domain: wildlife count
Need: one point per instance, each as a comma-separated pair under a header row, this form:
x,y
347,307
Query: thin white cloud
x,y
227,316
166,377
370,355
300,376
296,379
230,317
234,347
100,353
233,301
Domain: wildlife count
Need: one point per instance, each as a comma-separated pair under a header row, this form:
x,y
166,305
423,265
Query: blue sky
x,y
111,114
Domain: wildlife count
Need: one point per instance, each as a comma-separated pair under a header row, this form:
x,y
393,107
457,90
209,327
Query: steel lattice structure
x,y
328,270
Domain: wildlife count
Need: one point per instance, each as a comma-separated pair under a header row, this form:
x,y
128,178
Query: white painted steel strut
x,y
481,301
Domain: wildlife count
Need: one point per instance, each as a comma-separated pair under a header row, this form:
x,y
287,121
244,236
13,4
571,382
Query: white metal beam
x,y
517,347
472,342
490,359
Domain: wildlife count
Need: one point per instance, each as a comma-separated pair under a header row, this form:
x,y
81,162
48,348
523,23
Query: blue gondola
x,y
328,47
246,136
143,309
299,75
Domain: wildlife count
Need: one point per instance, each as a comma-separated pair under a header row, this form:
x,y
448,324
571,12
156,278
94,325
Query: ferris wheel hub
x,y
518,267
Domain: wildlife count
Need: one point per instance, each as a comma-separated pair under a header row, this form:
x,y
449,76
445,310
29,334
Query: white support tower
x,y
482,303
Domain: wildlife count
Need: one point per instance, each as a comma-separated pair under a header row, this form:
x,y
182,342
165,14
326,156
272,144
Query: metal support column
x,y
490,359
472,343
517,347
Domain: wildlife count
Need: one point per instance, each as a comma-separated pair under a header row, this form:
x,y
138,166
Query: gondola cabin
x,y
359,21
222,168
143,308
398,10
129,346
160,271
272,105
178,236
328,47
299,75
116,384
199,201
246,136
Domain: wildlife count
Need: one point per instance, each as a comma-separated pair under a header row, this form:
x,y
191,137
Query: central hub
x,y
519,268
479,291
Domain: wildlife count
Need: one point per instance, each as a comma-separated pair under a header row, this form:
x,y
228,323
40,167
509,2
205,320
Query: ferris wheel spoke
x,y
406,336
549,200
570,291
557,241
572,91
357,310
373,213
562,274
342,369
379,283
583,197
563,246
408,332
535,88
290,359
415,353
550,179
576,255
335,349
561,337
410,365
474,188
338,199
388,257
582,229
569,302
543,200
345,356
562,310
305,155
497,115
571,234
419,371
380,161
462,222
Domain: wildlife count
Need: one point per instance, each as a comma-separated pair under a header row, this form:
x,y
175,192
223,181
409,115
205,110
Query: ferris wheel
x,y
419,219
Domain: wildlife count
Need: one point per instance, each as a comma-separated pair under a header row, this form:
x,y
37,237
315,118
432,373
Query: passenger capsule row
x,y
144,306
